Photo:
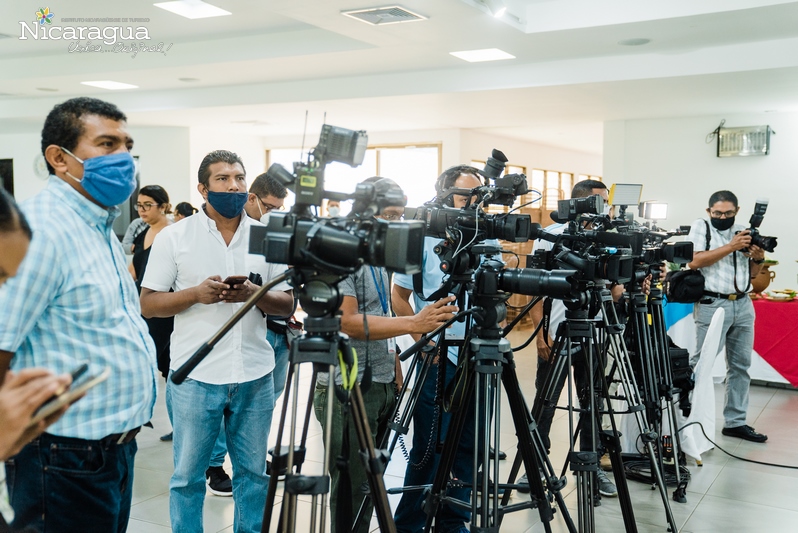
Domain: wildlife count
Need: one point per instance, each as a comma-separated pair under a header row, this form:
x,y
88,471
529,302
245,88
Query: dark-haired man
x,y
266,194
728,267
423,460
233,383
73,300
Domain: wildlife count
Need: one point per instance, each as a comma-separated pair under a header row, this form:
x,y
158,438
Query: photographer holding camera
x,y
728,265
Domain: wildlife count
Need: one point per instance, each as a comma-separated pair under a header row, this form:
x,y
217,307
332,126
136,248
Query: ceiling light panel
x,y
110,85
193,9
488,54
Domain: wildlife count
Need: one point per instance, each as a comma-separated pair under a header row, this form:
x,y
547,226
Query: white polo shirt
x,y
183,255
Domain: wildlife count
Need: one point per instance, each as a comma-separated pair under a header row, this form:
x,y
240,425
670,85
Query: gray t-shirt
x,y
371,287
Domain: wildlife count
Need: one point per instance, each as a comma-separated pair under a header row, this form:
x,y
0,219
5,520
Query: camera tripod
x,y
650,342
579,329
326,348
485,364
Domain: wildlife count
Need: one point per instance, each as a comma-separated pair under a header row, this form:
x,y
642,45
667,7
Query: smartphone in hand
x,y
235,280
70,395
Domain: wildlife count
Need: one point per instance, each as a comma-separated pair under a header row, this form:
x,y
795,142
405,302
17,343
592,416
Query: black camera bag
x,y
685,286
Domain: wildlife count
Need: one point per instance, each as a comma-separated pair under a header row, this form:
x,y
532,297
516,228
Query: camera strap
x,y
443,290
547,302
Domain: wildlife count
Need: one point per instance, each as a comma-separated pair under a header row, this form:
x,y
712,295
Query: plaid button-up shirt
x,y
73,300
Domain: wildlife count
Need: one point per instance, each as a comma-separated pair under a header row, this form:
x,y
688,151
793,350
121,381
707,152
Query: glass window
x,y
413,167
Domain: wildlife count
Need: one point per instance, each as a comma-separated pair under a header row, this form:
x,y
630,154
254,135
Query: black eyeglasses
x,y
146,206
721,214
269,207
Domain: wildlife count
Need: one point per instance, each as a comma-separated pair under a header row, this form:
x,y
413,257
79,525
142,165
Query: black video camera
x,y
471,224
339,246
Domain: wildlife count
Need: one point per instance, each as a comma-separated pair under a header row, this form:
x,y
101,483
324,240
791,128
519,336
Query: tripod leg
x,y
631,393
272,490
374,463
532,451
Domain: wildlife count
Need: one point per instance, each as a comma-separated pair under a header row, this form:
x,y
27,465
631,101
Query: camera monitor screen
x,y
625,194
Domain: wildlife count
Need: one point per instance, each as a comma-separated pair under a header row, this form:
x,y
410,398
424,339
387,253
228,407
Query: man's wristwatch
x,y
758,261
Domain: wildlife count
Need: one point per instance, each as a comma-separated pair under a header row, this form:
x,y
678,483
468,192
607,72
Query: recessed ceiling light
x,y
188,80
110,85
488,54
193,9
634,42
47,89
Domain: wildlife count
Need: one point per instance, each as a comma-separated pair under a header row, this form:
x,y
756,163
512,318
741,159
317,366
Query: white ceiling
x,y
259,69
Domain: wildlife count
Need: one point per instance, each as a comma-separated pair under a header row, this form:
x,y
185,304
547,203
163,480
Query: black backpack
x,y
685,286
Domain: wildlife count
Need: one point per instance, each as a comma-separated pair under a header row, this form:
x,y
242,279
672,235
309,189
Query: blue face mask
x,y
109,179
228,204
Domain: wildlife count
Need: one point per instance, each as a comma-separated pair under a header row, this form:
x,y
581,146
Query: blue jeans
x,y
246,409
64,484
279,344
219,448
423,462
281,351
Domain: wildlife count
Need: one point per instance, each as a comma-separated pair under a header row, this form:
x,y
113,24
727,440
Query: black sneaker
x,y
524,481
167,437
746,433
219,483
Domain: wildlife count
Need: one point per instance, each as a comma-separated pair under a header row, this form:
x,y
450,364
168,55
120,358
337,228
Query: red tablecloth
x,y
776,336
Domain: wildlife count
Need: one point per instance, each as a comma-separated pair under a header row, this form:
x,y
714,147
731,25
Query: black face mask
x,y
722,224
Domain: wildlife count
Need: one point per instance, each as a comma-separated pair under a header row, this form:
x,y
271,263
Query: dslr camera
x,y
757,239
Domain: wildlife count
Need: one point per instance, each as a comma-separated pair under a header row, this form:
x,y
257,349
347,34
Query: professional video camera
x,y
471,224
597,254
339,246
766,243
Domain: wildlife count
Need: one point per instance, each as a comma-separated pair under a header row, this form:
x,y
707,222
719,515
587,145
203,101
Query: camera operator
x,y
366,298
233,383
545,337
423,460
728,266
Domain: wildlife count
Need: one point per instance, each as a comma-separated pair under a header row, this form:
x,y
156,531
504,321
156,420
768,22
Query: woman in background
x,y
183,210
153,206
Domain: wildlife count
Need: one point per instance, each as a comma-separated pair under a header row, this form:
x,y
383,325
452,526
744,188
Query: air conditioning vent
x,y
380,16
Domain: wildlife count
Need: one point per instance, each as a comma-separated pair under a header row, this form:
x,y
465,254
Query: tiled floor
x,y
724,495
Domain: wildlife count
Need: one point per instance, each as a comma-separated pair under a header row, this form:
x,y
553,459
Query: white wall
x,y
250,149
675,165
163,159
478,146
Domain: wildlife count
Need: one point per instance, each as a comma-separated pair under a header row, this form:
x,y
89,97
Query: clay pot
x,y
763,279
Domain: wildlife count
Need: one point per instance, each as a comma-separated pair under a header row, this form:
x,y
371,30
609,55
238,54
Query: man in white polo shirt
x,y
234,381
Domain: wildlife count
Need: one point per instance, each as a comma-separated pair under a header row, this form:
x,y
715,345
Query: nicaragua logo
x,y
43,16
44,29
